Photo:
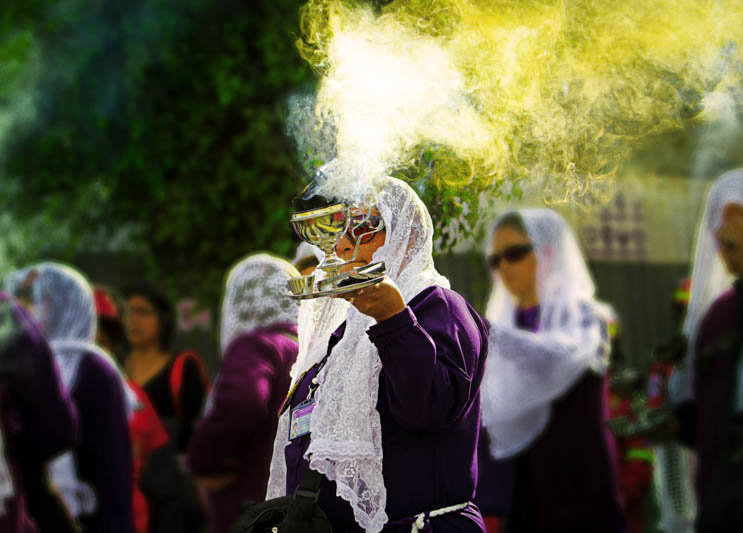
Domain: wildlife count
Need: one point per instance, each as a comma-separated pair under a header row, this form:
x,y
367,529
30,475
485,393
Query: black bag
x,y
299,513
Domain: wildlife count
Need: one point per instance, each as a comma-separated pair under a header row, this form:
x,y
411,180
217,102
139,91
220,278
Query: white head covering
x,y
526,371
256,296
64,306
709,278
346,442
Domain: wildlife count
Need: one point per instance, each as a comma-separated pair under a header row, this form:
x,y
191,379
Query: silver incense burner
x,y
323,227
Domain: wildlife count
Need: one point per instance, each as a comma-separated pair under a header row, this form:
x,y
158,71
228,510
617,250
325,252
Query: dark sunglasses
x,y
512,254
363,227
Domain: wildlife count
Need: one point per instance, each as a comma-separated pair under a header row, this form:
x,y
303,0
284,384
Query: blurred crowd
x,y
529,419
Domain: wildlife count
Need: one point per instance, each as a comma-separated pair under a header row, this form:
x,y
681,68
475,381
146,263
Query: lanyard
x,y
313,386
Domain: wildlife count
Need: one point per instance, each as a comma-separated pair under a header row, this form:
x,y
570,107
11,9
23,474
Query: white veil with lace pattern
x,y
346,444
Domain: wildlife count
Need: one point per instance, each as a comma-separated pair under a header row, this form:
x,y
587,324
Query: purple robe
x,y
433,355
718,344
104,455
237,432
37,417
565,481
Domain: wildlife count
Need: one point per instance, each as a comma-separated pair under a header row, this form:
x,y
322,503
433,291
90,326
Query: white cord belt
x,y
421,519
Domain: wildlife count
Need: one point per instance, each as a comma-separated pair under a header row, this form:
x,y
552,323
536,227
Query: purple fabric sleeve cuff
x,y
386,332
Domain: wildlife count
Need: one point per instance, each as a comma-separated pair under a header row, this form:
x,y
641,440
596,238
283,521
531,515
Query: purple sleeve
x,y
48,417
716,350
430,353
104,454
240,401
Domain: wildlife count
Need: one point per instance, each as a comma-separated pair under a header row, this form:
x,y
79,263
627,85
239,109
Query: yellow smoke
x,y
554,91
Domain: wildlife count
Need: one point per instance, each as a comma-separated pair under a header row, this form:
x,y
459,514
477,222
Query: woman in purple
x,y
95,478
714,324
230,450
37,421
544,399
396,416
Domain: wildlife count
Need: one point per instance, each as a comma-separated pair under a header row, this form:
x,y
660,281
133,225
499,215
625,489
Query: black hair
x,y
163,306
513,220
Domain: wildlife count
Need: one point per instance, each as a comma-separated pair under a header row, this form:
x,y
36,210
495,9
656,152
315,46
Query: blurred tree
x,y
157,128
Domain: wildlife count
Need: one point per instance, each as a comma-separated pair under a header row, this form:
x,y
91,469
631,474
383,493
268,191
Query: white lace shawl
x,y
346,442
255,296
709,278
526,371
65,309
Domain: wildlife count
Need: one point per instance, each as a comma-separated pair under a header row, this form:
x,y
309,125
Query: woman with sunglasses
x,y
394,389
544,398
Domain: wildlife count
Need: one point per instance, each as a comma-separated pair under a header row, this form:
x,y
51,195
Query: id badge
x,y
300,419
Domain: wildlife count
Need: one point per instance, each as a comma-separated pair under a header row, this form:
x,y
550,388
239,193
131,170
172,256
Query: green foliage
x,y
164,118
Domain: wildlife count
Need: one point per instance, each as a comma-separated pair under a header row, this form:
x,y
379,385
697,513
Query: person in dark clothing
x,y
95,477
396,371
176,386
37,422
230,451
713,423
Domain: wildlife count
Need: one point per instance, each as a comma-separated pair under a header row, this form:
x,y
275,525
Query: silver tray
x,y
338,290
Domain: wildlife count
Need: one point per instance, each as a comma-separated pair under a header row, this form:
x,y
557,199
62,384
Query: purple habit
x,y
718,343
104,455
37,417
565,481
433,356
237,432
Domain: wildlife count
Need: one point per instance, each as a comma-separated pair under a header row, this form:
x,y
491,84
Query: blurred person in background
x,y
544,394
37,422
109,334
95,478
176,386
714,371
231,448
152,455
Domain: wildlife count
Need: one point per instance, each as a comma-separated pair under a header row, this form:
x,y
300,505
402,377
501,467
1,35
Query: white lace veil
x,y
526,371
709,278
64,306
255,296
346,442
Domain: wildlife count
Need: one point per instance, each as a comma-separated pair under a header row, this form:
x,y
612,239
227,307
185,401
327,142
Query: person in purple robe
x,y
230,449
37,422
544,394
713,376
95,477
395,386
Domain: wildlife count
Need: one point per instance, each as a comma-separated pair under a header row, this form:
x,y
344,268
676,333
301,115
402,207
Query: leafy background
x,y
153,129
